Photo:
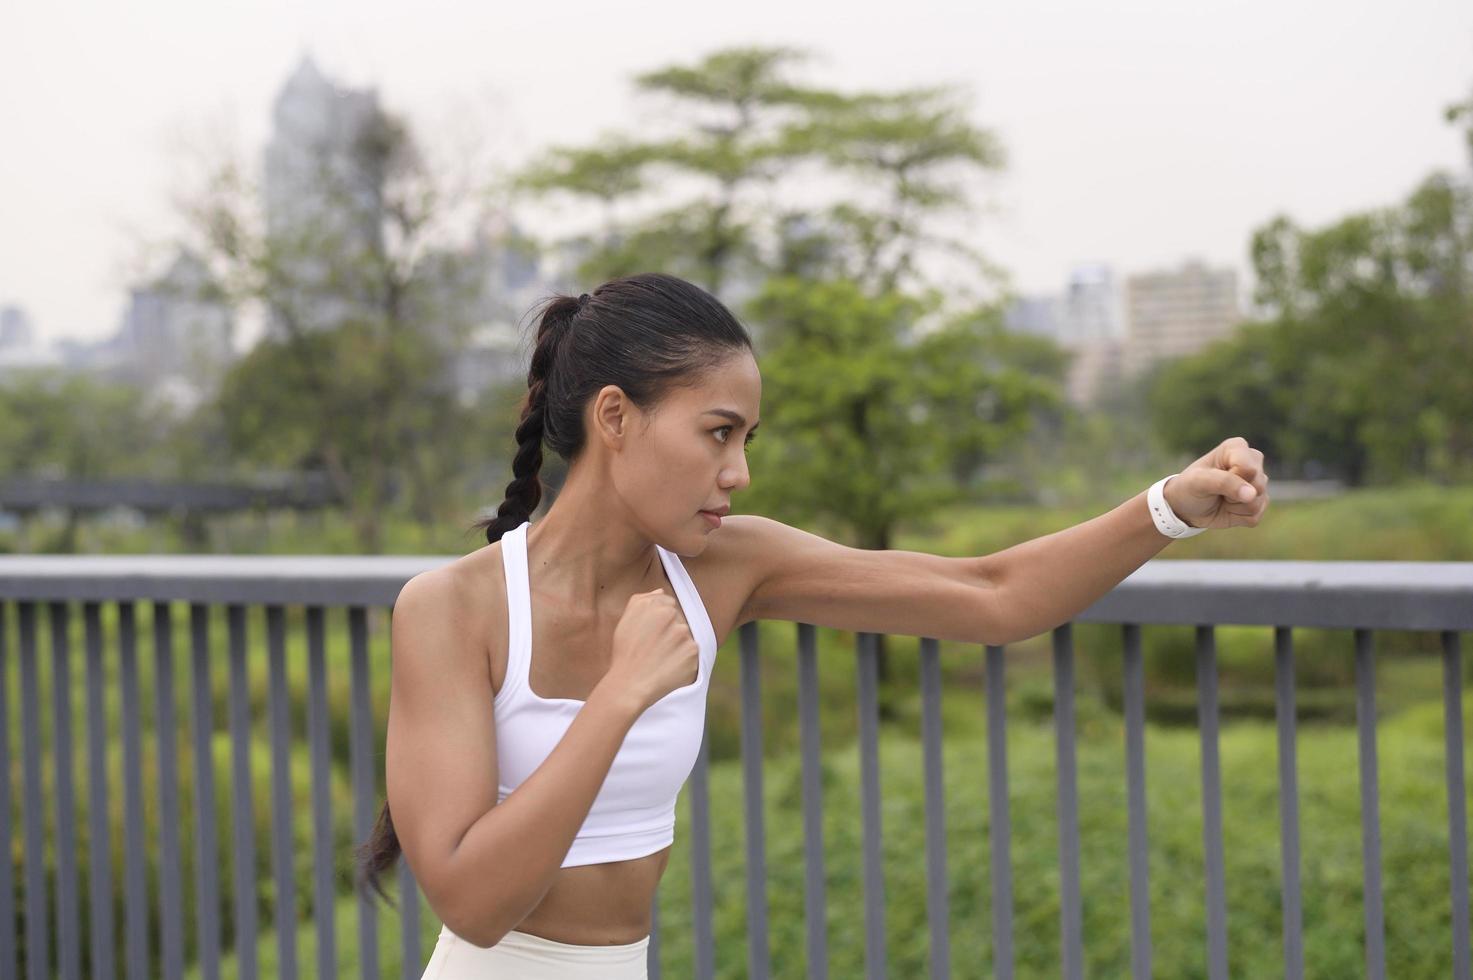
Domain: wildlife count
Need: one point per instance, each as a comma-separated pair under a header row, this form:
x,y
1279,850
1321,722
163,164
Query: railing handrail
x,y
1400,595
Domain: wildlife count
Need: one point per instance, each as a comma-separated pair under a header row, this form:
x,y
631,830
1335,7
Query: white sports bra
x,y
634,812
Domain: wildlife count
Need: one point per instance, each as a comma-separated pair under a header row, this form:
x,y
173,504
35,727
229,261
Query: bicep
x,y
799,576
440,751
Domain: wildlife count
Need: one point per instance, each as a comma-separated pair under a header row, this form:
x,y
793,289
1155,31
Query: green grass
x,y
1414,858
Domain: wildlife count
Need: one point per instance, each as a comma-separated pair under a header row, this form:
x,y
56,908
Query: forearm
x,y
508,859
1045,582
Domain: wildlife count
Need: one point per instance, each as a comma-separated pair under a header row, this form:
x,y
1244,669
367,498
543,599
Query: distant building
x,y
19,351
323,183
1038,316
16,329
498,283
1091,306
323,190
1085,319
1174,313
175,337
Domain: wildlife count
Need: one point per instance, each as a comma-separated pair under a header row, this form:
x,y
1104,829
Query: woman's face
x,y
689,454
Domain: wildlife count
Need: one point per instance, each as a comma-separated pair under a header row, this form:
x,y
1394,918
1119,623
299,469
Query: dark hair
x,y
646,333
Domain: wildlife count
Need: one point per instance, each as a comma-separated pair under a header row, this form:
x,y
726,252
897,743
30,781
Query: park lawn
x,y
1414,857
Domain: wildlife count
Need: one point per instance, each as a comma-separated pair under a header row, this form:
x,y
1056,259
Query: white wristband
x,y
1166,520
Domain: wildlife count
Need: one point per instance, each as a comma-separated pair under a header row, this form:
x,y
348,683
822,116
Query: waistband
x,y
518,941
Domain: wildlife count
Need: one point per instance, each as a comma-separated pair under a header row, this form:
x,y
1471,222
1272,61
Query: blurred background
x,y
266,274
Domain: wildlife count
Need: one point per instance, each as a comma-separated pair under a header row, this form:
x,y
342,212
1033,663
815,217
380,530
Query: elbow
x,y
484,940
483,930
996,628
480,917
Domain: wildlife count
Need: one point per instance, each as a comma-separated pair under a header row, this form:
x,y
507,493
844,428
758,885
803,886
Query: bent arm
x,y
507,860
483,865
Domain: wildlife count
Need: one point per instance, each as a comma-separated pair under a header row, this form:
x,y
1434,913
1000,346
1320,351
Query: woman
x,y
548,690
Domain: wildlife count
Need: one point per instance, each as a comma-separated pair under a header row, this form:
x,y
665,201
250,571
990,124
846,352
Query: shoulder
x,y
465,597
737,559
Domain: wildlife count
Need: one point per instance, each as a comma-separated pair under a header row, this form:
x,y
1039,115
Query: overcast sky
x,y
1138,133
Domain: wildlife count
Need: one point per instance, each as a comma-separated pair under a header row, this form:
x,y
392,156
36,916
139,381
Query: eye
x,y
727,429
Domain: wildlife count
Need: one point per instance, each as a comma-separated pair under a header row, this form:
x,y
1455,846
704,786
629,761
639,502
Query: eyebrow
x,y
736,417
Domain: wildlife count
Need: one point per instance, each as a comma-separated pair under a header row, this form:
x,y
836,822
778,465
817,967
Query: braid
x,y
382,849
524,492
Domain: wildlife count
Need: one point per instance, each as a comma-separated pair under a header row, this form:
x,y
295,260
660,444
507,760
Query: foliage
x,y
877,421
369,299
1361,372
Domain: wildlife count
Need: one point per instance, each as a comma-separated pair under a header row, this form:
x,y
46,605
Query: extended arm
x,y
998,598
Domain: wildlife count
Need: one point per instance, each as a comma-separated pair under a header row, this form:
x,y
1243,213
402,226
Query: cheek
x,y
666,469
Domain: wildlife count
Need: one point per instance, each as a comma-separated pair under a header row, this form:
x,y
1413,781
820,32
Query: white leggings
x,y
523,956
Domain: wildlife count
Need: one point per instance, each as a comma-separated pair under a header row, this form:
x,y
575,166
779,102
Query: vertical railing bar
x,y
759,964
242,818
1370,801
1207,713
1457,807
700,861
938,912
652,951
99,856
68,916
410,955
1071,933
869,766
170,868
38,928
361,761
9,955
1288,802
409,944
998,814
1135,776
279,718
318,745
206,845
135,873
815,897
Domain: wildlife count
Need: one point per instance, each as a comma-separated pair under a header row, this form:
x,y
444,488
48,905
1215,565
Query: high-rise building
x,y
1174,313
1090,307
16,330
178,329
1084,319
324,174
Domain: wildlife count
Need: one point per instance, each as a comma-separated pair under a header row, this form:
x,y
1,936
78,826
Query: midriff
x,y
599,904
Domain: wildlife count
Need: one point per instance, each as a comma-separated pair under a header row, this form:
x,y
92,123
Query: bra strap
x,y
518,606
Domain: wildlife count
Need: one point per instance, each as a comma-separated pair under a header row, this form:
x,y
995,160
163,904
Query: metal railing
x,y
1364,597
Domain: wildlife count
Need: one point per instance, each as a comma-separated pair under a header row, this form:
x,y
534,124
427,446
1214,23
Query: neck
x,y
587,550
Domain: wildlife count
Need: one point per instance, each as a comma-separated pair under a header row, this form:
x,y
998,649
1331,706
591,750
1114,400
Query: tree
x,y
57,424
886,401
745,128
370,296
878,423
1362,364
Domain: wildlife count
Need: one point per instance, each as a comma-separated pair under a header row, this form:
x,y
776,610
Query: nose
x,y
742,473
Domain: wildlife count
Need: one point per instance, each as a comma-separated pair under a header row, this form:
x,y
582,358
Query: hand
x,y
1208,493
654,651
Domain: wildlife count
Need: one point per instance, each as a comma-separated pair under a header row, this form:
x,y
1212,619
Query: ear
x,y
613,416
